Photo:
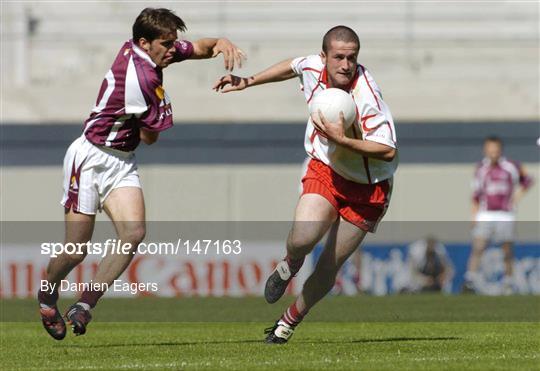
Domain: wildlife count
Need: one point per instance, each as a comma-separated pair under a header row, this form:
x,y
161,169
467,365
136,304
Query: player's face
x,y
492,150
340,61
161,50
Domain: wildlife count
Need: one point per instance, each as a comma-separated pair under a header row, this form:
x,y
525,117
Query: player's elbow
x,y
149,141
389,155
149,137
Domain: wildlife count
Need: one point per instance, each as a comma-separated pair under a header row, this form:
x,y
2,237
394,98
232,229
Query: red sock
x,y
294,264
91,297
293,316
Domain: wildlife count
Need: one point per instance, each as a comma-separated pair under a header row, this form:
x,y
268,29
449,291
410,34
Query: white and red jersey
x,y
131,97
495,184
374,123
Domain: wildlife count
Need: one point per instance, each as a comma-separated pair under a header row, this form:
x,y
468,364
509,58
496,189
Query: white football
x,y
331,102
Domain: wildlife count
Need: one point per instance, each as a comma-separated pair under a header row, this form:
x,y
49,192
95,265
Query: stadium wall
x,y
432,60
252,172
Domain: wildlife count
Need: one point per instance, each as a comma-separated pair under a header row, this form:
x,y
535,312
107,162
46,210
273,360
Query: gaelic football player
x,y
100,171
348,182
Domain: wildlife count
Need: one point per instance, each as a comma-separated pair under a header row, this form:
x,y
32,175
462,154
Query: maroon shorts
x,y
363,205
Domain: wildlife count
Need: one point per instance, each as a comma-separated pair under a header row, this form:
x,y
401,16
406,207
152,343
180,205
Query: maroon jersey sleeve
x,y
184,50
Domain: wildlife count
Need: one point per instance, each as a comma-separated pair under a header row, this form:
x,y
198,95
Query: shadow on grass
x,y
381,340
318,341
385,340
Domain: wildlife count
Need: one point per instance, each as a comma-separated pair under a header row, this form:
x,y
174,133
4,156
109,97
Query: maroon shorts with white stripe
x,y
363,205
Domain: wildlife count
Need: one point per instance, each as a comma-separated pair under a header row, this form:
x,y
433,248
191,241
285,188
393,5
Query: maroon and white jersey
x,y
132,97
374,123
495,184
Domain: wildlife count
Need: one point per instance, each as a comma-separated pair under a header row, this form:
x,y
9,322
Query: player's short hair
x,y
153,23
493,138
339,33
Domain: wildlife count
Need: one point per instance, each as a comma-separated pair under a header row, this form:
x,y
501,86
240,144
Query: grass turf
x,y
354,342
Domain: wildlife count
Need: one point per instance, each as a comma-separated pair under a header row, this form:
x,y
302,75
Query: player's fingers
x,y
317,124
314,118
226,59
229,88
341,117
231,59
322,118
237,59
217,84
220,86
224,80
241,57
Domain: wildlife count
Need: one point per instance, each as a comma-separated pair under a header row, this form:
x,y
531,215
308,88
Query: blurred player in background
x,y
499,184
430,267
100,171
347,185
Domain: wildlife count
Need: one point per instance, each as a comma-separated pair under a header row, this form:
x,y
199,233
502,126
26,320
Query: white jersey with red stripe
x,y
374,123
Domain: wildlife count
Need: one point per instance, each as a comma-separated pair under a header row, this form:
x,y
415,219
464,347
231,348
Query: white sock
x,y
84,305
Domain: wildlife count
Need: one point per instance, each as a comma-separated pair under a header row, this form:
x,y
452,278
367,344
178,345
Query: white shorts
x,y
92,172
495,226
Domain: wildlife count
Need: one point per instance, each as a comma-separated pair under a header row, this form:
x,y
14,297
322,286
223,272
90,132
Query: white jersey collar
x,y
141,53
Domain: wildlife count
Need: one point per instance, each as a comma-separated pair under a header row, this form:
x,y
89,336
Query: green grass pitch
x,y
424,332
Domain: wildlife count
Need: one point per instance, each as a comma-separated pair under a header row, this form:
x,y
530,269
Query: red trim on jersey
x,y
391,131
313,91
310,69
323,77
354,81
313,135
364,120
367,82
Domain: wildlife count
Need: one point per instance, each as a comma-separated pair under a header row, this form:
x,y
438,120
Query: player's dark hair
x,y
339,33
493,138
153,23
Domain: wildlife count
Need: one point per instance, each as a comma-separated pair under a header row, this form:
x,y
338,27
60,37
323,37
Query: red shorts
x,y
363,205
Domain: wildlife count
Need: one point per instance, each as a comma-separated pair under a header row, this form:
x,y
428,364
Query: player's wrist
x,y
343,140
250,81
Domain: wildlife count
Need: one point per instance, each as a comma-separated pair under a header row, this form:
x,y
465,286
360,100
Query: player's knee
x,y
297,242
75,258
134,234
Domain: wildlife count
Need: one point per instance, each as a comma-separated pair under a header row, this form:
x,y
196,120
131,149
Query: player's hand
x,y
230,83
331,130
232,55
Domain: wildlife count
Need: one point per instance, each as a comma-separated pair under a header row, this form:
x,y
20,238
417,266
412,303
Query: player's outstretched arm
x,y
211,48
335,132
278,72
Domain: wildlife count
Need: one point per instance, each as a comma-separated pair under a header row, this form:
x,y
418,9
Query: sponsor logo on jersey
x,y
183,44
160,92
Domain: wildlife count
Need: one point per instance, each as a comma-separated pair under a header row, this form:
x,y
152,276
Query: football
x,y
331,102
